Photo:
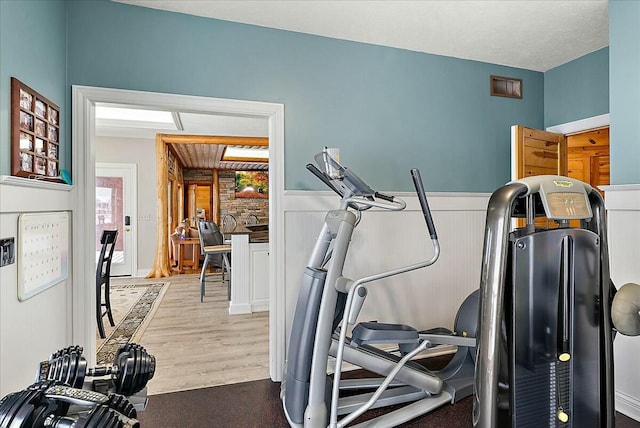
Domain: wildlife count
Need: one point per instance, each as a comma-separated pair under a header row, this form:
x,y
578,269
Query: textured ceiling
x,y
529,34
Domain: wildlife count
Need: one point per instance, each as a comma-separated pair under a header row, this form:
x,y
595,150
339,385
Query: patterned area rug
x,y
133,307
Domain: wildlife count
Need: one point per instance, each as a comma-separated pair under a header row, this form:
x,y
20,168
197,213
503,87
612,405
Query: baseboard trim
x,y
260,305
238,309
628,405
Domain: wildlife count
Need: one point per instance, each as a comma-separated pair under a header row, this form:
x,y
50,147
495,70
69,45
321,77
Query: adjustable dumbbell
x,y
132,368
46,404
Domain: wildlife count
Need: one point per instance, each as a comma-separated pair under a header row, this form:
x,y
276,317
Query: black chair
x,y
103,272
216,254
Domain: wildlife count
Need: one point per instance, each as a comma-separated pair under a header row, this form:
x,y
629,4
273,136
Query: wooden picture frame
x,y
35,134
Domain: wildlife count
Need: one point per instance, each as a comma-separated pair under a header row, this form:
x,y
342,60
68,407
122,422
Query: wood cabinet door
x,y
537,152
583,156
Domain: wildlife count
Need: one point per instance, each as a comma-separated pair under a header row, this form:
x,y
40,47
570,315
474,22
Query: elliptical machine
x,y
545,332
328,304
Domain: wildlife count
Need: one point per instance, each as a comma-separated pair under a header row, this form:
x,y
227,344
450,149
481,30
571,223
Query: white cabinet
x,y
249,276
259,276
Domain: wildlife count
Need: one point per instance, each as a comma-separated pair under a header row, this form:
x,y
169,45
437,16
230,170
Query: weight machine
x,y
545,332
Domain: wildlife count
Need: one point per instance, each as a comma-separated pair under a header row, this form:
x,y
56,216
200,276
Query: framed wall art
x,y
252,184
35,134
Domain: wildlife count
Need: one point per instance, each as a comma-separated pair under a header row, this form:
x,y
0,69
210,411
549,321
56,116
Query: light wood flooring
x,y
197,345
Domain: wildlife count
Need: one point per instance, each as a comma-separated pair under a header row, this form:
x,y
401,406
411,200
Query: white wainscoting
x,y
623,207
431,297
32,330
384,240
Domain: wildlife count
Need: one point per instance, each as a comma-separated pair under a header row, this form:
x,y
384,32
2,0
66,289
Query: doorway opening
x,y
184,202
84,101
116,196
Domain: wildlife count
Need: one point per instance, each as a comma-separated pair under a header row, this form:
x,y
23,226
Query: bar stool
x,y
103,272
216,254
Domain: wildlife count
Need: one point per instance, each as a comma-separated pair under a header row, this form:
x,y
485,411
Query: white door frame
x,y
84,99
581,125
130,237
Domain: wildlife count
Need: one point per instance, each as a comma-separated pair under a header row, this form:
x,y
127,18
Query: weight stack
x,y
553,337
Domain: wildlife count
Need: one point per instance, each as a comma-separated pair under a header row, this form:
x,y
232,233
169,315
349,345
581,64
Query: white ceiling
x,y
530,34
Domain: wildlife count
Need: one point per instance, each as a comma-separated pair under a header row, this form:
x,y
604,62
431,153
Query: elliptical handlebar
x,y
394,204
417,182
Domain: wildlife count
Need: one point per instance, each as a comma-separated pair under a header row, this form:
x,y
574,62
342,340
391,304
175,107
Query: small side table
x,y
188,247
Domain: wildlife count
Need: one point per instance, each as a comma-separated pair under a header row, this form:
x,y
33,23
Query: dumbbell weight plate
x,y
121,404
56,360
139,380
7,405
81,372
64,368
10,407
70,373
135,367
149,365
68,366
125,361
99,417
17,410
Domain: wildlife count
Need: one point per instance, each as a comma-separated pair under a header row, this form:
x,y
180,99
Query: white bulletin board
x,y
43,251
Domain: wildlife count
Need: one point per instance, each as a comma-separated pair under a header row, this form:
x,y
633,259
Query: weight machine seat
x,y
103,272
216,254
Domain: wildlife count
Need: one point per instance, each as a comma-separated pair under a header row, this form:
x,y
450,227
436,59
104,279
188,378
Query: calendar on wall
x,y
43,251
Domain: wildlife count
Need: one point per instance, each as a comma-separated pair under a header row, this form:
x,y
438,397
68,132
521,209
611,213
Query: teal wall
x,y
388,109
33,49
578,89
624,42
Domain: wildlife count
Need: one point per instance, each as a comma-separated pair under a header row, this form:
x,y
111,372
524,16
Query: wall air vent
x,y
505,87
